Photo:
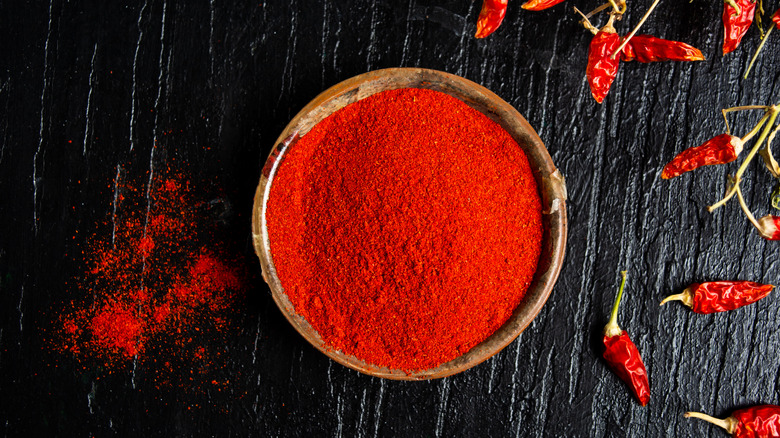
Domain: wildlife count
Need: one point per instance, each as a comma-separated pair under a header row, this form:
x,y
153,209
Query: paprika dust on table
x,y
158,287
405,227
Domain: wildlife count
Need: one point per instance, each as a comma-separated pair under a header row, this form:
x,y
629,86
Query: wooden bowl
x,y
550,182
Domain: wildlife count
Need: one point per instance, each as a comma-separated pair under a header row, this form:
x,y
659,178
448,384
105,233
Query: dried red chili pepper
x,y
539,5
647,48
602,68
753,422
776,18
736,22
622,355
769,227
721,149
490,17
720,296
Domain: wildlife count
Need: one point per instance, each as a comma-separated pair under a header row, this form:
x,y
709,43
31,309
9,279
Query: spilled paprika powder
x,y
157,288
405,228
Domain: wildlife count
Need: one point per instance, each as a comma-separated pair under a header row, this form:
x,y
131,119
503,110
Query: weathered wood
x,y
86,91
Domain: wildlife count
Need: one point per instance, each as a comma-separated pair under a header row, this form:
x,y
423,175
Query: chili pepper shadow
x,y
596,337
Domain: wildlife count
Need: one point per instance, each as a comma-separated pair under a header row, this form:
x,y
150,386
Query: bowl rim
x,y
550,183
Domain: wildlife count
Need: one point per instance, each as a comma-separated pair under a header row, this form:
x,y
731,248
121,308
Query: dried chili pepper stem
x,y
686,296
745,208
636,28
765,226
618,8
769,159
733,4
770,116
612,328
758,50
585,22
729,423
740,108
593,12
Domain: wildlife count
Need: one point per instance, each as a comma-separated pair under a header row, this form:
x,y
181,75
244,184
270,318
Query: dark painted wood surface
x,y
87,89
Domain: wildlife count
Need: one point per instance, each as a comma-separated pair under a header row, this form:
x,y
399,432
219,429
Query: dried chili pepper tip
x,y
539,5
720,149
490,17
757,421
720,296
769,227
622,356
776,18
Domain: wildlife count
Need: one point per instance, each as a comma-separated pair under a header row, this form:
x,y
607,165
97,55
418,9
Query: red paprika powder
x,y
405,228
156,288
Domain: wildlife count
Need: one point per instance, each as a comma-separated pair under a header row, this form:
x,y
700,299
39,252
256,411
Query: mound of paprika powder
x,y
405,227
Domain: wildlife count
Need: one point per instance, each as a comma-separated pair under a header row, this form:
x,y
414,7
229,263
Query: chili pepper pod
x,y
622,356
754,422
720,296
539,5
602,68
647,48
736,22
490,17
769,227
721,149
776,19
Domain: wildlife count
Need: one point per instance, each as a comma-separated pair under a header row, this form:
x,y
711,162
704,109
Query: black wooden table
x,y
87,89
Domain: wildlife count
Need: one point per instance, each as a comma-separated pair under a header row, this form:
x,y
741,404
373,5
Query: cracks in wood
x,y
371,39
135,73
115,204
21,314
444,395
378,408
257,340
546,84
287,74
35,177
88,111
405,47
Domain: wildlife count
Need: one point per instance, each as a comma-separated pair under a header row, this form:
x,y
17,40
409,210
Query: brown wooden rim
x,y
549,180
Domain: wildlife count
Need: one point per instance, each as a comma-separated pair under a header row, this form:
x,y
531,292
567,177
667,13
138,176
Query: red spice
x,y
156,283
405,228
736,22
721,149
720,296
623,356
602,68
752,422
117,329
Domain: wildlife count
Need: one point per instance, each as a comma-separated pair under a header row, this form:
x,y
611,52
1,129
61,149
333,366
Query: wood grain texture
x,y
92,94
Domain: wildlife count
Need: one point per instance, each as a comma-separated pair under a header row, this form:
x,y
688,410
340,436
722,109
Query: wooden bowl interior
x,y
550,182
